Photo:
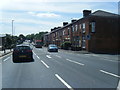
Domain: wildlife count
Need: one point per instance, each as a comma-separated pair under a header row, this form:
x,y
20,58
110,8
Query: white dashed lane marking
x,y
48,56
110,73
36,55
44,64
67,85
75,62
58,56
6,59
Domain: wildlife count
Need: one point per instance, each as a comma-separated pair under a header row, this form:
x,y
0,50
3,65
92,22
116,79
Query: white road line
x,y
45,64
75,62
48,56
110,73
58,56
36,55
5,55
6,59
67,85
118,87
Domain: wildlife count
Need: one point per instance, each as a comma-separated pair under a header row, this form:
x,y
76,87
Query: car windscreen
x,y
52,46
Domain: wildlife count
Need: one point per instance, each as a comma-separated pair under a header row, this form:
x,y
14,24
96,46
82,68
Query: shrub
x,y
66,45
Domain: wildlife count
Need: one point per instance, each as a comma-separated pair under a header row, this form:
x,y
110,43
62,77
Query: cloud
x,y
32,13
27,26
44,15
32,16
36,5
48,15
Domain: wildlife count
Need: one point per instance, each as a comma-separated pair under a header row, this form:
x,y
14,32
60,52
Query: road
x,y
61,70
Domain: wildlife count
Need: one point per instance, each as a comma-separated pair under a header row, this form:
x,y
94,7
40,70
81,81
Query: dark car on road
x,y
52,48
22,53
38,43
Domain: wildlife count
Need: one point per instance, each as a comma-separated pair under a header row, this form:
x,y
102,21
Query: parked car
x,y
22,53
52,48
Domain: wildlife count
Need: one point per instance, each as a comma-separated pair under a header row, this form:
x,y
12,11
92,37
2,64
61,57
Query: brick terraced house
x,y
96,32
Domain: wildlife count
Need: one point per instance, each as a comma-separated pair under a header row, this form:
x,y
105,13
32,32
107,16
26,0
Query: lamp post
x,y
12,32
12,27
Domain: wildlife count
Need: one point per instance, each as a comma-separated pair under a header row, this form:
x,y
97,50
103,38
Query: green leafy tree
x,y
66,45
8,41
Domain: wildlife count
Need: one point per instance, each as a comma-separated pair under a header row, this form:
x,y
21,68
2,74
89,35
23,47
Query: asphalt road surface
x,y
61,70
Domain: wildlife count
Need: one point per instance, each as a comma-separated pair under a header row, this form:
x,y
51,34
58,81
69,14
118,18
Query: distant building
x,y
96,32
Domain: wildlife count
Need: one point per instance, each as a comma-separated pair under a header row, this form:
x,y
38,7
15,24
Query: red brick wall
x,y
105,39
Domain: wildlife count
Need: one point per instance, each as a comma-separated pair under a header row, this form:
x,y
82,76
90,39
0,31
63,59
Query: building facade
x,y
96,32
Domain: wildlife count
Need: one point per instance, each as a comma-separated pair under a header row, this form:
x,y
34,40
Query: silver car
x,y
52,48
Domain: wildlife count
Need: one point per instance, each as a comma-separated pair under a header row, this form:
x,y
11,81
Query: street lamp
x,y
12,27
12,32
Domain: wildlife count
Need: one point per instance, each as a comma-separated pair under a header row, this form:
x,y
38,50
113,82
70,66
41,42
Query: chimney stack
x,y
55,28
86,13
73,20
65,23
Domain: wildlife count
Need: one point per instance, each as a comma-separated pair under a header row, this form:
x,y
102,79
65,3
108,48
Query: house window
x,y
63,32
83,28
76,27
68,31
83,25
73,28
93,27
80,26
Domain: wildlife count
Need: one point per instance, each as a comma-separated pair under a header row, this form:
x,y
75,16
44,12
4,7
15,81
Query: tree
x,y
22,38
30,37
66,45
8,41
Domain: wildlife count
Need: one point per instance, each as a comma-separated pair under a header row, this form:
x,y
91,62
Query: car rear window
x,y
23,48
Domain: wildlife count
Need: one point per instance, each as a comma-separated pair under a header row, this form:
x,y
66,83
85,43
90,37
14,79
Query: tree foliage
x,y
12,41
37,36
66,45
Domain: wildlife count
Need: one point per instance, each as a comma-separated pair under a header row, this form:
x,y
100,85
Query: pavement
x,y
7,51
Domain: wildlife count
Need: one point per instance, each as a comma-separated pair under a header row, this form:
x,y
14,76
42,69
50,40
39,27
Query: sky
x,y
34,16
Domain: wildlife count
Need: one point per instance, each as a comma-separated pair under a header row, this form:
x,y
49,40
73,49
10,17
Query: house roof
x,y
96,13
103,13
